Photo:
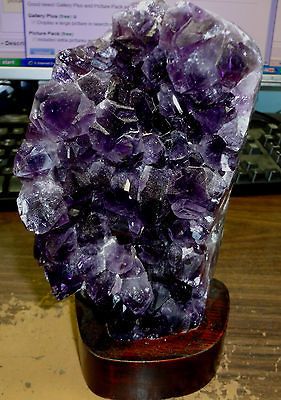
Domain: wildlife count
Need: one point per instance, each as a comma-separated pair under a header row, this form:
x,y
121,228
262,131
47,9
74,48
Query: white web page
x,y
11,29
276,48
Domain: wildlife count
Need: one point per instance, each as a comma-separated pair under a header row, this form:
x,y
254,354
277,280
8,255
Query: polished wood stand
x,y
174,365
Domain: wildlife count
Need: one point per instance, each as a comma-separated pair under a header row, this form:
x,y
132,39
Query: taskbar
x,y
49,62
27,62
24,67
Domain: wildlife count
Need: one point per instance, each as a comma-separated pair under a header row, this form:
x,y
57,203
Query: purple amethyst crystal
x,y
129,160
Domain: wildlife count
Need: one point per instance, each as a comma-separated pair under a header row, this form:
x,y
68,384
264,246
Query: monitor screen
x,y
33,31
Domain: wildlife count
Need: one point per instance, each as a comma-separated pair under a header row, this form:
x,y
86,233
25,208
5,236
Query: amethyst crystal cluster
x,y
128,162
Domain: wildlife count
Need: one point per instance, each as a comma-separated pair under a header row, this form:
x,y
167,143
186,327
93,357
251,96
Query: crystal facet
x,y
128,163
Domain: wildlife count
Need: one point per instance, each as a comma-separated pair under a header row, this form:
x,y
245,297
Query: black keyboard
x,y
12,132
259,171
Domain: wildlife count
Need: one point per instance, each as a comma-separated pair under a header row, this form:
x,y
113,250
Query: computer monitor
x,y
33,31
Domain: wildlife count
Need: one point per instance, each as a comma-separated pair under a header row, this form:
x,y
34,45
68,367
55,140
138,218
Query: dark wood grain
x,y
249,265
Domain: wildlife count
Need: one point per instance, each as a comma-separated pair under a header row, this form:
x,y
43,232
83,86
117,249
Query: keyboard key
x,y
247,146
18,143
14,119
264,139
7,171
276,155
277,139
2,152
271,128
273,176
13,152
271,148
3,132
3,162
248,165
242,177
18,131
254,149
14,185
8,143
258,175
1,184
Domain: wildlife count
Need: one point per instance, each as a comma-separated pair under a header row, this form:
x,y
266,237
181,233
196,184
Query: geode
x,y
128,163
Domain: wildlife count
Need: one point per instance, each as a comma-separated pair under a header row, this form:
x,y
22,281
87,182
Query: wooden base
x,y
174,365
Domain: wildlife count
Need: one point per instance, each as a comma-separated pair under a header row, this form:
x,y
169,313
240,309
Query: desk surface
x,y
38,358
